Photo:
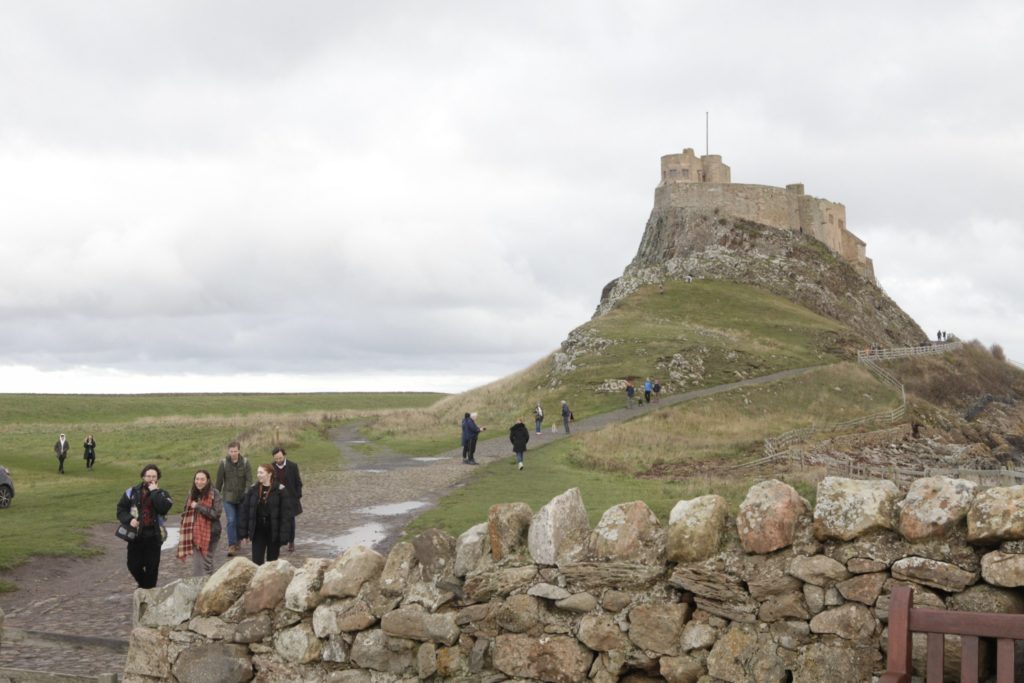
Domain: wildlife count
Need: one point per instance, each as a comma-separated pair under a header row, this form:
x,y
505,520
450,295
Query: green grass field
x,y
180,433
731,331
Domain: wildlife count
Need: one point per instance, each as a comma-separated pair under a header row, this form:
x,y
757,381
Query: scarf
x,y
195,528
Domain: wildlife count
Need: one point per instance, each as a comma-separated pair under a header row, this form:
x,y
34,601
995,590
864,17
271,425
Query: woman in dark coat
x,y
89,451
519,435
265,517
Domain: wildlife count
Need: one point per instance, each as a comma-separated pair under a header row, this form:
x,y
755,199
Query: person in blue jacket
x,y
472,431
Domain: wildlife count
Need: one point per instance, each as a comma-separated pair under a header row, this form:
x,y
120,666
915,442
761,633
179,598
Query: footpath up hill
x,y
690,335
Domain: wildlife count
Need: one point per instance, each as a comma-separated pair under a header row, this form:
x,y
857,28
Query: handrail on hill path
x,y
778,447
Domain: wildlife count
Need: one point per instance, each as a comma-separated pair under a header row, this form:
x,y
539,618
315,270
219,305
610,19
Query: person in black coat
x,y
265,516
518,434
286,474
142,508
61,449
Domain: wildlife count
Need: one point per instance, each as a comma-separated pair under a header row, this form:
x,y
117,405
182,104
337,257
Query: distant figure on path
x,y
519,435
472,434
61,449
141,508
89,451
465,437
286,474
234,477
648,387
265,517
657,391
566,414
538,417
630,393
200,524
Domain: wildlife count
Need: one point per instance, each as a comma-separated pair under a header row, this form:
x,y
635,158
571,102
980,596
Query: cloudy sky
x,y
321,195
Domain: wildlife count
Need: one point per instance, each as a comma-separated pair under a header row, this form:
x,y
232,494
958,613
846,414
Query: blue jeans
x,y
231,512
537,422
519,456
565,423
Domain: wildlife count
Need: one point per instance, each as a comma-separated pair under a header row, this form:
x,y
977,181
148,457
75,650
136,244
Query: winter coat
x,y
465,431
233,479
279,510
162,504
518,435
292,482
212,513
471,429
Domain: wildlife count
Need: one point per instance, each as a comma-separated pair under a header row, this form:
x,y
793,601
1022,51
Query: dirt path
x,y
367,500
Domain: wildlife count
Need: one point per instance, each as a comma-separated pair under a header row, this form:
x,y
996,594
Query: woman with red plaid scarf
x,y
200,525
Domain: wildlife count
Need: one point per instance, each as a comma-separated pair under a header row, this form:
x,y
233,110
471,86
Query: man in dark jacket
x,y
519,435
465,437
472,434
142,508
286,474
61,449
234,477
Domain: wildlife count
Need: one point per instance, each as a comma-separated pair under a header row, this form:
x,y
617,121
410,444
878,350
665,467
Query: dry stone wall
x,y
778,592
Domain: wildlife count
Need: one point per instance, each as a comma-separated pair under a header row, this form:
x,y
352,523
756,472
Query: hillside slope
x,y
692,242
688,335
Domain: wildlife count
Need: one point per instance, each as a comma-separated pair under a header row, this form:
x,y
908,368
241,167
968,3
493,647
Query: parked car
x,y
6,487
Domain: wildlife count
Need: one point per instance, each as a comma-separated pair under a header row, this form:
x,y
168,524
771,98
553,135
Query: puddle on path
x,y
368,469
392,509
369,535
358,441
172,538
430,459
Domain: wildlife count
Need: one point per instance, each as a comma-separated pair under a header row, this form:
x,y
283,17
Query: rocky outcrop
x,y
680,243
447,610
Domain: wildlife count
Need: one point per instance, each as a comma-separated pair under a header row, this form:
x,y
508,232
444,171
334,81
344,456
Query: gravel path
x,y
367,500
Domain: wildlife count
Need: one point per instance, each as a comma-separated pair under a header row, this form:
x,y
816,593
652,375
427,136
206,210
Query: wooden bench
x,y
970,626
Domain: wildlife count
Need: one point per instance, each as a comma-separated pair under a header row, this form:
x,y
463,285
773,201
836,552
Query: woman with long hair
x,y
89,451
265,516
200,524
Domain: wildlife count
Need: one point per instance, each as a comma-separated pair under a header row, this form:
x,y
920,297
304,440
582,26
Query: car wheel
x,y
5,496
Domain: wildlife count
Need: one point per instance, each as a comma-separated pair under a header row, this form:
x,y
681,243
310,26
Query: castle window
x,y
672,172
686,173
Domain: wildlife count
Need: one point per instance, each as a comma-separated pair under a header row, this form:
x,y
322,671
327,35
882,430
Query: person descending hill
x,y
538,417
630,392
566,414
519,435
648,387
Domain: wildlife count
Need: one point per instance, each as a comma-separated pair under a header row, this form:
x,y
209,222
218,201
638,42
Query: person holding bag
x,y
141,509
265,517
200,525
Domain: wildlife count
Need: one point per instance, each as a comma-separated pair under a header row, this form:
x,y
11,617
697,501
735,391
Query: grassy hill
x,y
689,335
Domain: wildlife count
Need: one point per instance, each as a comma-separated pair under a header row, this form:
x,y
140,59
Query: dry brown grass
x,y
733,425
957,379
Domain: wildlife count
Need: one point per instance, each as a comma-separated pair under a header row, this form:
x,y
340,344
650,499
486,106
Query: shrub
x,y
997,353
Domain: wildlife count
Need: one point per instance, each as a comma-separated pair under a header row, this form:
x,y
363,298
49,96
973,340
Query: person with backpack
x,y
519,435
566,416
648,387
657,390
630,393
234,477
141,509
538,417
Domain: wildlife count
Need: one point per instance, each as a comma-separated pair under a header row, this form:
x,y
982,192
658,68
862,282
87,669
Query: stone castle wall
x,y
705,183
780,592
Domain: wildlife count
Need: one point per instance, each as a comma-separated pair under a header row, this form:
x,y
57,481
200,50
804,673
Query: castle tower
x,y
688,168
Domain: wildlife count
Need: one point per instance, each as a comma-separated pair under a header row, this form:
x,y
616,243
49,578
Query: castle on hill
x,y
706,183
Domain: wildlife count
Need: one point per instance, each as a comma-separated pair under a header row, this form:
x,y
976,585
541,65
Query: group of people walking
x,y
518,434
652,391
61,447
260,513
